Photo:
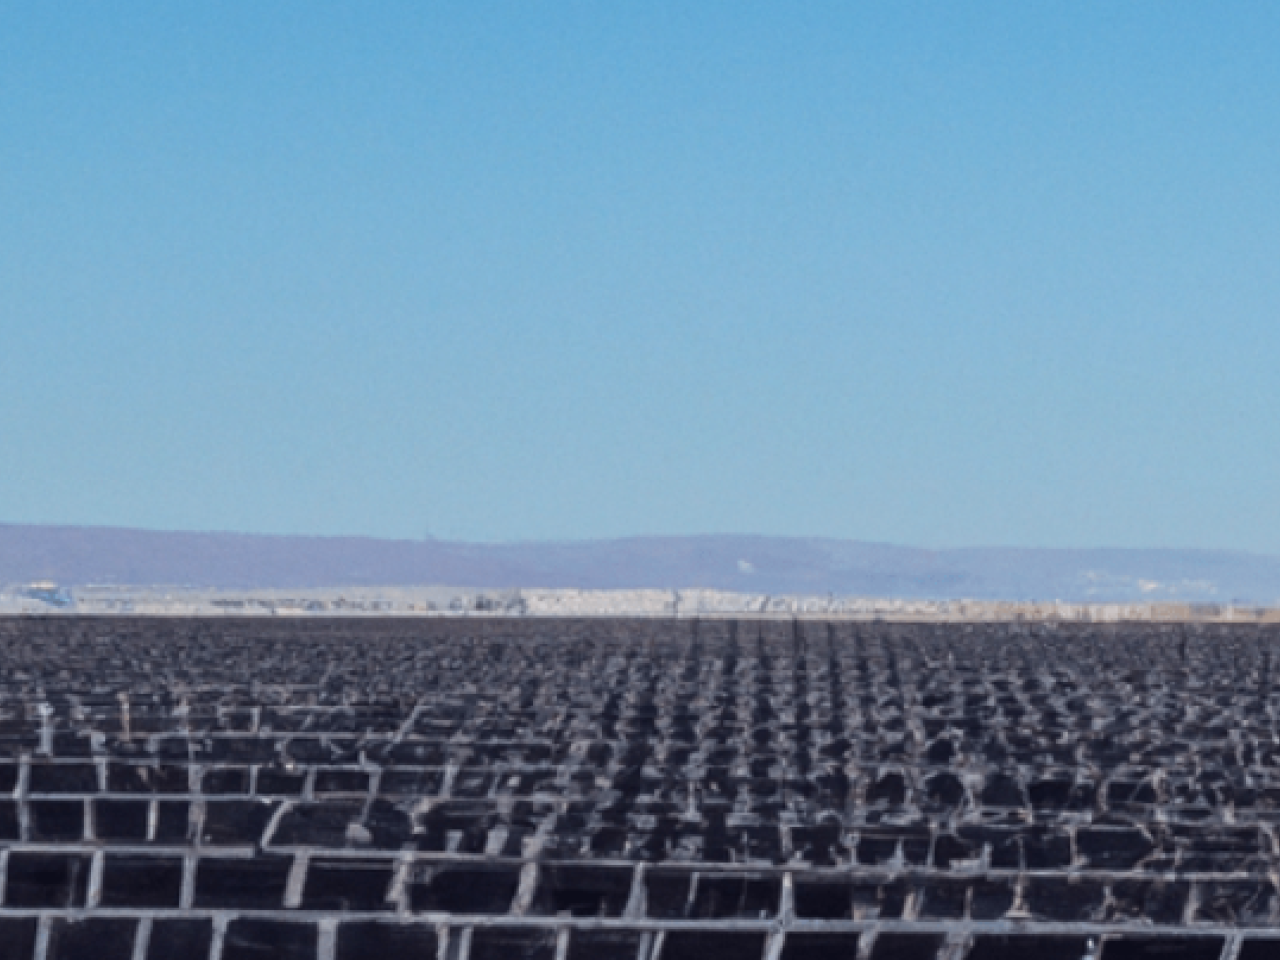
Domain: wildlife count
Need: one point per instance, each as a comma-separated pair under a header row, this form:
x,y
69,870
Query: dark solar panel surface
x,y
342,789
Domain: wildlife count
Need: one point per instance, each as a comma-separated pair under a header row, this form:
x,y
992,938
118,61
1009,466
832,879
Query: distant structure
x,y
49,592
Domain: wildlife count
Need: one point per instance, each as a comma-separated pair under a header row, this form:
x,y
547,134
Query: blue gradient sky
x,y
931,273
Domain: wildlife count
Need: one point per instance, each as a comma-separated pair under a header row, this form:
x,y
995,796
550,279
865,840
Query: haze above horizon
x,y
904,273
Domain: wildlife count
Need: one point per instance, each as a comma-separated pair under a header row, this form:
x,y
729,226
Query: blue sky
x,y
929,273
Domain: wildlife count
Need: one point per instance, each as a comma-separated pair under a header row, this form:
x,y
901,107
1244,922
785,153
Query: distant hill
x,y
73,556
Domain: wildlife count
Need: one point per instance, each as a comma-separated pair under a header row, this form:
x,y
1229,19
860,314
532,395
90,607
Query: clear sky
x,y
931,273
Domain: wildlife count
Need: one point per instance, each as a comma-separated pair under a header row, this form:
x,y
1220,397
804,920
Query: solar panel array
x,y
474,789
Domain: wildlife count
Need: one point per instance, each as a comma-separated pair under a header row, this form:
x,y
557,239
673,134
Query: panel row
x,y
41,880
124,938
